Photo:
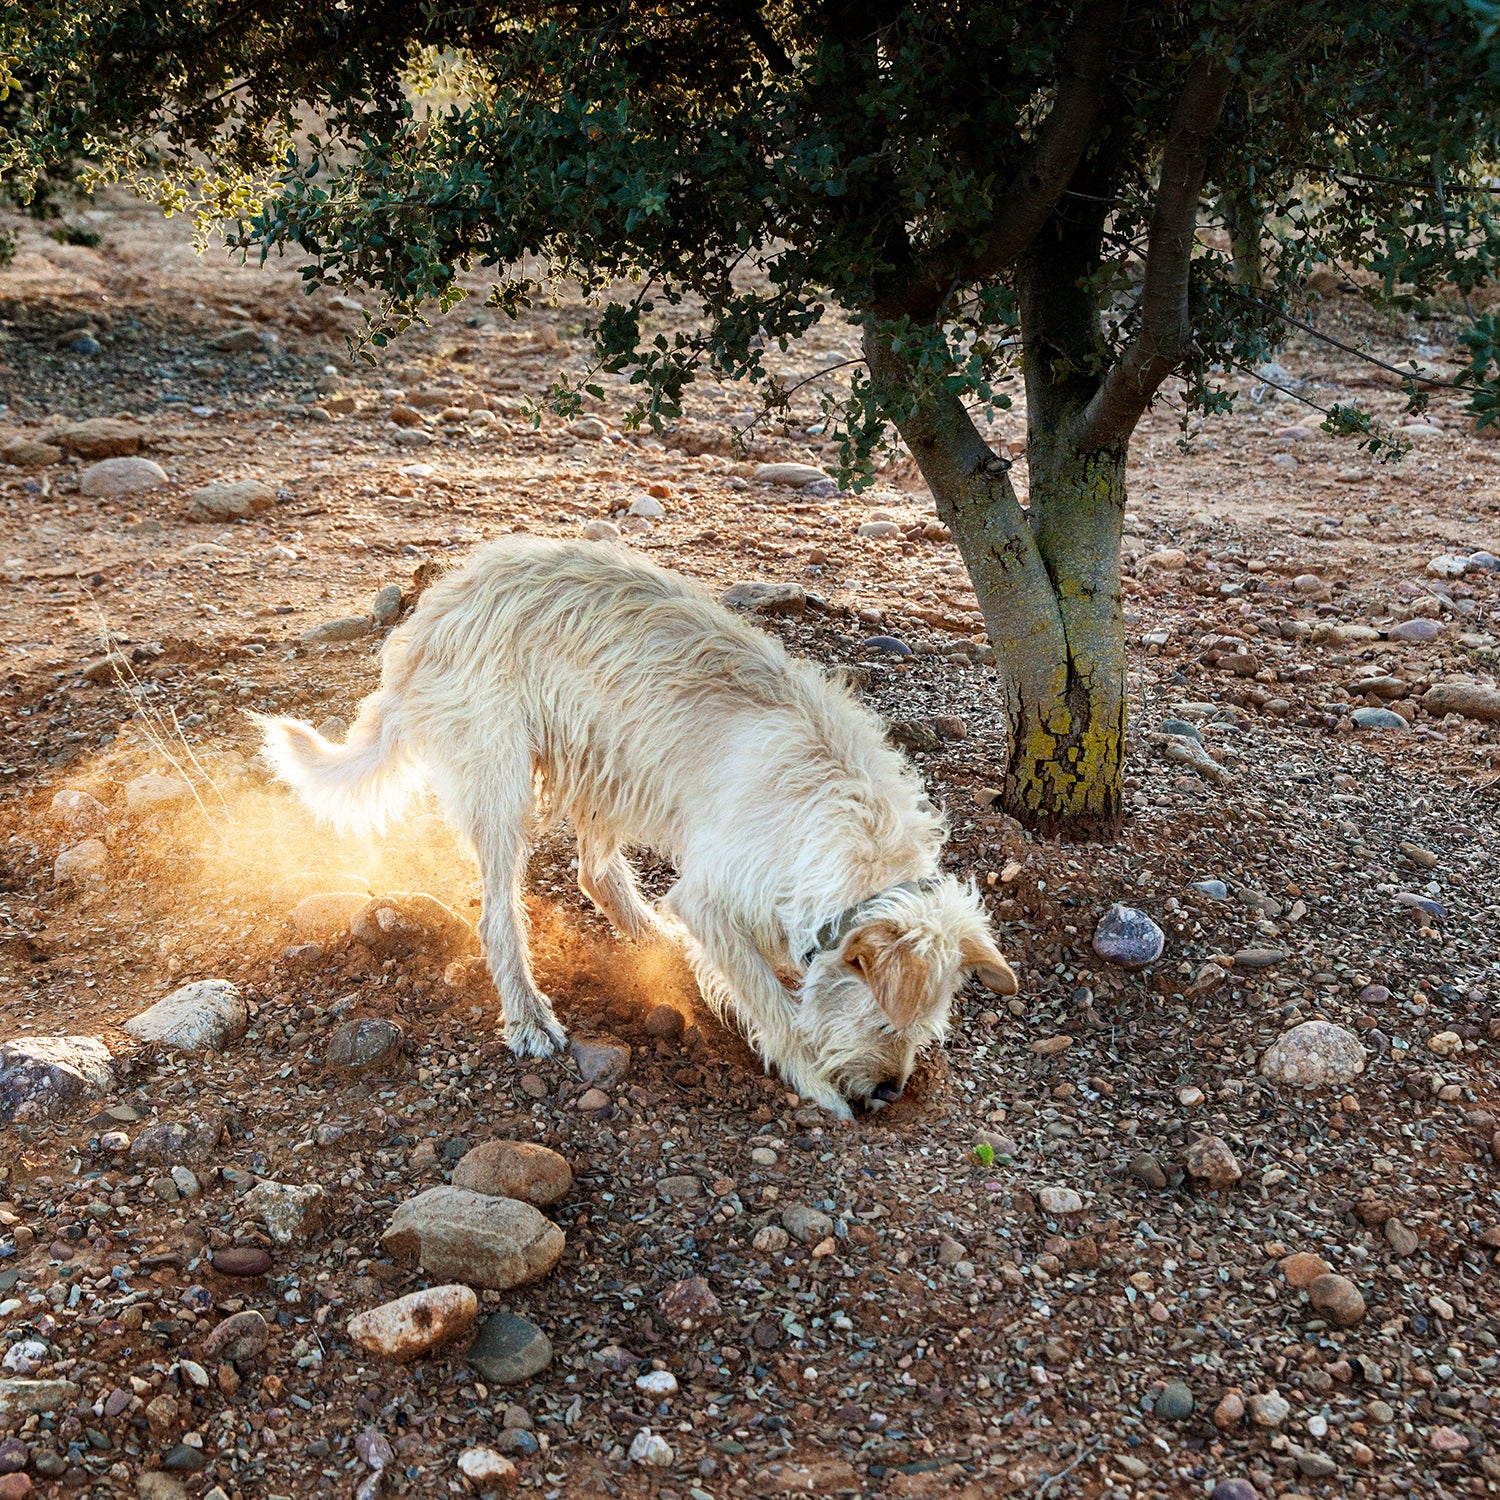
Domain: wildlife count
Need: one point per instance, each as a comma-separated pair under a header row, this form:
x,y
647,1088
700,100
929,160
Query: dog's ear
x,y
898,976
989,965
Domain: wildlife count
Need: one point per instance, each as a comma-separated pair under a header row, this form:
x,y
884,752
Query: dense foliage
x,y
866,155
1092,195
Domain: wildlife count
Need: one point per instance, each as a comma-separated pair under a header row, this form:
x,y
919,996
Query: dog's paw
x,y
541,1038
836,1105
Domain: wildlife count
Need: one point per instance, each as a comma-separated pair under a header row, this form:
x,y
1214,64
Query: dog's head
x,y
871,1002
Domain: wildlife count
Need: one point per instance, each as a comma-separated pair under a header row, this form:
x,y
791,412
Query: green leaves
x,y
764,171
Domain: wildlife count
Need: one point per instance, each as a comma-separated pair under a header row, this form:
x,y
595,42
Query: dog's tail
x,y
358,786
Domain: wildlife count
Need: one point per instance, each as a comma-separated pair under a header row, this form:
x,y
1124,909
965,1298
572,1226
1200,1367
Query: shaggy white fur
x,y
573,679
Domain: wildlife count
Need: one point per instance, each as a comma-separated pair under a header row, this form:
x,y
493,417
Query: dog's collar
x,y
832,933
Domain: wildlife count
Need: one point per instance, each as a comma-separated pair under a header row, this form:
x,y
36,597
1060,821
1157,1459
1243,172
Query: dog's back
x,y
637,693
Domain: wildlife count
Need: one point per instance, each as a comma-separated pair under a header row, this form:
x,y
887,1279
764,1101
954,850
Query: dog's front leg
x,y
733,973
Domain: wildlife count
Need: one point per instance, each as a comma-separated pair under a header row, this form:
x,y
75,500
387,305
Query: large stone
x,y
290,1211
168,1143
78,812
1419,629
1210,1160
809,1225
515,1169
386,608
509,1349
1128,937
40,1396
404,923
100,437
490,1242
1379,718
330,632
230,500
1174,1401
1338,1299
83,863
205,1016
242,1335
417,1323
152,1484
1466,698
688,1304
765,598
1314,1054
367,1043
327,915
27,453
1058,1202
114,477
42,1076
153,793
488,1471
602,1060
794,475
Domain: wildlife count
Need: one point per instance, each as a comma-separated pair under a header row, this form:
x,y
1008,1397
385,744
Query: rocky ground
x,y
1118,1240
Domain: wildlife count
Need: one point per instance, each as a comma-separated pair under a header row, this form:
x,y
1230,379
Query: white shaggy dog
x,y
577,679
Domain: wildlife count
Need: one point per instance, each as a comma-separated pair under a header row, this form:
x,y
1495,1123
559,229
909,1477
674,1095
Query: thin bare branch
x,y
1165,334
1033,193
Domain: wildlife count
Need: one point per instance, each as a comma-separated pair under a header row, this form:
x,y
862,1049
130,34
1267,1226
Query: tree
x,y
987,188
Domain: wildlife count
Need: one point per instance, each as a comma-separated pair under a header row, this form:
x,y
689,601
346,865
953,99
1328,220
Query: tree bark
x,y
1048,582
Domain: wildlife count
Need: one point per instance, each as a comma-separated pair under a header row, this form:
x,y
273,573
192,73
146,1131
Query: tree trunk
x,y
1050,595
1048,581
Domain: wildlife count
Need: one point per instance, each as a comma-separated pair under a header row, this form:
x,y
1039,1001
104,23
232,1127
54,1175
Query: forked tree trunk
x,y
1048,581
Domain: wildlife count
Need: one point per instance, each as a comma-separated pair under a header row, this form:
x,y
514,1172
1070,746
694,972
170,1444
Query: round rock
x,y
407,922
236,501
509,1349
365,1044
1314,1054
240,1336
1058,1202
326,915
602,1060
1235,1489
242,1261
490,1242
666,1023
150,794
515,1169
1338,1299
83,863
1174,1402
114,477
1379,718
1128,937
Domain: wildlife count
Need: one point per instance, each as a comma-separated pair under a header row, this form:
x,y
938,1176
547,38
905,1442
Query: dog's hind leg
x,y
494,810
605,877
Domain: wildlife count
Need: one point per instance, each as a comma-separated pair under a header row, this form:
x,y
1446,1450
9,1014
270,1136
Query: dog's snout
x,y
889,1091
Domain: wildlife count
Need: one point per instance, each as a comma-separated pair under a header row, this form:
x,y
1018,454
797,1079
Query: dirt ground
x,y
1025,1287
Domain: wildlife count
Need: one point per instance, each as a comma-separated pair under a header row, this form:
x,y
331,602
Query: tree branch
x,y
1033,192
761,34
1164,337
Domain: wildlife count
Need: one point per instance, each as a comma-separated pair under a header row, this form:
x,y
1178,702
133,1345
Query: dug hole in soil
x,y
1105,1245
